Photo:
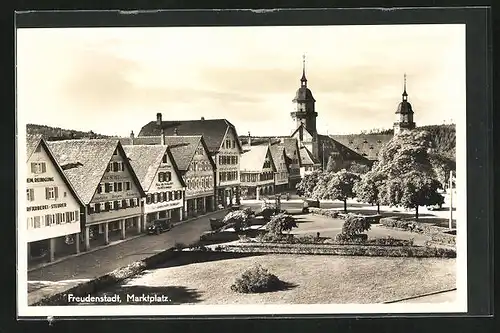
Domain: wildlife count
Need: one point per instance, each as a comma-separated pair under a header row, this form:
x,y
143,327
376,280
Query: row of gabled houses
x,y
83,193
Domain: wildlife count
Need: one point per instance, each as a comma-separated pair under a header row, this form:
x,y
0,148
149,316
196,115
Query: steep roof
x,y
32,141
306,157
183,149
366,145
213,130
252,160
146,159
291,145
85,161
278,151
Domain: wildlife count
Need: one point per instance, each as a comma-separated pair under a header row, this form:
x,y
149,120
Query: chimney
x,y
269,141
176,132
132,137
158,119
202,118
249,140
162,137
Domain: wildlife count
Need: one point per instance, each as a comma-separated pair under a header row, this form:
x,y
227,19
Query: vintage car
x,y
309,203
158,226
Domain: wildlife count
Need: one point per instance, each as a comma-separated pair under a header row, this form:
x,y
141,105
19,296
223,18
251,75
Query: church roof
x,y
404,107
213,130
303,94
366,145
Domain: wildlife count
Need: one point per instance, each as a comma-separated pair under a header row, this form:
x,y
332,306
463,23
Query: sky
x,y
115,80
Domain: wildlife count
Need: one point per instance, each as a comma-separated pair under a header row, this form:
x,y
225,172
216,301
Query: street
x,y
100,262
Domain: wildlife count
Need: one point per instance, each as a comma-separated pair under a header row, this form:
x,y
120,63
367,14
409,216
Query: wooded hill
x,y
49,132
443,137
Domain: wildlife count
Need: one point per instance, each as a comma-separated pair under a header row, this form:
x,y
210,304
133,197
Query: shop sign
x,y
115,196
163,206
112,177
164,185
40,180
43,207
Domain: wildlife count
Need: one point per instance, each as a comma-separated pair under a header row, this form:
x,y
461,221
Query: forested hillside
x,y
443,137
49,132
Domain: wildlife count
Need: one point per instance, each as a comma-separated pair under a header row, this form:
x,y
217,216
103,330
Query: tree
x,y
340,186
307,184
416,189
238,219
367,189
334,164
320,191
280,223
442,166
358,168
406,176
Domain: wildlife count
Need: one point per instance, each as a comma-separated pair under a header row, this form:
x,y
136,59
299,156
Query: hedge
x,y
373,219
410,225
109,279
345,250
443,238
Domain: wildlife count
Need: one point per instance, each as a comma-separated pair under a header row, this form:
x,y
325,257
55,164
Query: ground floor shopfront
x,y
254,191
102,233
228,196
47,250
199,205
279,188
173,215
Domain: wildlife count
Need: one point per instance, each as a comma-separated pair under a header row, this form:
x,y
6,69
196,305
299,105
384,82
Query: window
x,y
51,193
48,220
155,197
38,149
169,196
36,220
136,202
127,186
164,159
102,206
120,204
115,167
124,203
120,186
148,199
115,152
116,205
77,215
30,194
38,167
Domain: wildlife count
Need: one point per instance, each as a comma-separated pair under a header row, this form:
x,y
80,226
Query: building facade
x,y
291,147
161,181
105,181
222,141
197,170
52,206
257,172
282,175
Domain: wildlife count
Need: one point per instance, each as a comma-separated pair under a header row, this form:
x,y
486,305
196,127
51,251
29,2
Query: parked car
x,y
159,226
309,203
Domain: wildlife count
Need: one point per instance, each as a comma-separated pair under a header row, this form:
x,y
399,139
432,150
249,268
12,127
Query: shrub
x,y
280,223
179,246
443,238
237,219
355,225
392,222
343,238
256,280
270,237
324,212
389,241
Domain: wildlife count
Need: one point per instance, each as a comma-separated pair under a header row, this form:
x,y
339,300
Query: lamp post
x,y
450,225
323,156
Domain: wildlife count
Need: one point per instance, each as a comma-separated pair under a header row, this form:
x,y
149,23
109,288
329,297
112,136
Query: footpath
x,y
55,277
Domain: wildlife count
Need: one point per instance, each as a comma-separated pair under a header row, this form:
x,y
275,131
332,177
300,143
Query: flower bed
x,y
410,225
372,219
345,250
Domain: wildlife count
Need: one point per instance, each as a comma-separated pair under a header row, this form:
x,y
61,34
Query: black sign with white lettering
x,y
40,180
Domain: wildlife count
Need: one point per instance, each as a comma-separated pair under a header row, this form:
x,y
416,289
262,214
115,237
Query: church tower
x,y
304,104
404,113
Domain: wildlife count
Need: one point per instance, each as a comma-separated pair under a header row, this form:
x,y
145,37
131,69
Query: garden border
x,y
345,250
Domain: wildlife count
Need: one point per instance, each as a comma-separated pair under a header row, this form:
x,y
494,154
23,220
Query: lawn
x,y
312,279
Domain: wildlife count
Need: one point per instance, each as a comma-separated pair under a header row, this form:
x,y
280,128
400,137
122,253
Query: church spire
x,y
405,94
303,80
